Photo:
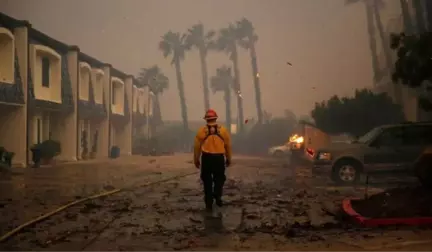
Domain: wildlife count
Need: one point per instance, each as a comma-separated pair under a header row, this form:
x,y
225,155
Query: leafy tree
x,y
157,83
248,39
227,41
223,81
413,64
356,115
173,44
198,38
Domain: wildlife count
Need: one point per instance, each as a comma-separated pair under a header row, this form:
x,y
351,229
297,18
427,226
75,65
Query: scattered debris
x,y
396,203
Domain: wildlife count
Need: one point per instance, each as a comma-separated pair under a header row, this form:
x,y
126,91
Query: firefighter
x,y
212,153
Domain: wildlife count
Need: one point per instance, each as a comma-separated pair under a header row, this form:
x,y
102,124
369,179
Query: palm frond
x,y
222,80
153,78
173,43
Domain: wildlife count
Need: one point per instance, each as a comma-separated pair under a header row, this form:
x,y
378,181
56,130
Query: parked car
x,y
385,149
280,151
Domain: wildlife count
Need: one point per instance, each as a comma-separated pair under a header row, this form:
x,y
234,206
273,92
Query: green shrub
x,y
48,149
6,157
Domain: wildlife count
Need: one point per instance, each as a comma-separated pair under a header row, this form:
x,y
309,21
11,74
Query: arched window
x,y
7,56
84,81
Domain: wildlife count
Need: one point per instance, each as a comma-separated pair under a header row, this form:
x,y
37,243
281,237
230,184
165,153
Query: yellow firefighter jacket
x,y
213,139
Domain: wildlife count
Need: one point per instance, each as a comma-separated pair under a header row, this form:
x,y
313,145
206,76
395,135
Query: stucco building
x,y
51,90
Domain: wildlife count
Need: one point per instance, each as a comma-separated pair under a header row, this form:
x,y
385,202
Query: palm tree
x,y
248,38
376,6
157,83
172,44
420,15
371,32
407,21
200,39
223,81
227,42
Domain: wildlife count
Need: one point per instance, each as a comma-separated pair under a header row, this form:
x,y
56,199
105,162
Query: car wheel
x,y
278,153
346,172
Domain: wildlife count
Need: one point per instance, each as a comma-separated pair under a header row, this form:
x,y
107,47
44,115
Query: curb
x,y
375,222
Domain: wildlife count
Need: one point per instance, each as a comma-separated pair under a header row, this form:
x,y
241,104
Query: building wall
x,y
7,56
117,96
13,117
20,129
52,92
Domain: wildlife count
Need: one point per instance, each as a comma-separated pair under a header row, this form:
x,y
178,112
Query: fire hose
x,y
16,230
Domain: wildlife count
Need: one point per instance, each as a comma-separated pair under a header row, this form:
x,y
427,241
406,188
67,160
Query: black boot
x,y
209,205
218,202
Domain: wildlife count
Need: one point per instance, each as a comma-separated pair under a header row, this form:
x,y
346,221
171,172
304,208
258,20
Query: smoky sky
x,y
326,42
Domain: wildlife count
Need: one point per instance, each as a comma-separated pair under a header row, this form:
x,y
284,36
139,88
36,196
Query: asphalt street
x,y
270,204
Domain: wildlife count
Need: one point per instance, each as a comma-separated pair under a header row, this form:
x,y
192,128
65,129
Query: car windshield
x,y
366,138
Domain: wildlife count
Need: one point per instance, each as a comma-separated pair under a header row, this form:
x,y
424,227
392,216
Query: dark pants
x,y
212,176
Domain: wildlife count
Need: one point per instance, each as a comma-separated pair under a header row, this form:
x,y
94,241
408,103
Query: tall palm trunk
x,y
180,86
204,79
408,29
387,52
428,7
227,98
407,21
372,40
420,15
256,83
384,41
234,59
157,115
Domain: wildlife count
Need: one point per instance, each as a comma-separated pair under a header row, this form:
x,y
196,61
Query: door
x,y
384,154
416,138
38,130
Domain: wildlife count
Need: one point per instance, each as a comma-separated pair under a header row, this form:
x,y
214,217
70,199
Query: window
x,y
113,97
418,135
370,136
45,72
391,137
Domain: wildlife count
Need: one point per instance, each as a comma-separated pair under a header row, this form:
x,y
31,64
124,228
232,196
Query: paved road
x,y
270,205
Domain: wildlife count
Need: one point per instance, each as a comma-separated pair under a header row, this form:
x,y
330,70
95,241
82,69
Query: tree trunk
x,y
420,16
180,86
372,41
256,83
237,87
227,98
428,8
157,114
407,21
384,41
205,79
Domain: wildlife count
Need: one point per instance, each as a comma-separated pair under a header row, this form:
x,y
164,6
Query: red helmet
x,y
210,115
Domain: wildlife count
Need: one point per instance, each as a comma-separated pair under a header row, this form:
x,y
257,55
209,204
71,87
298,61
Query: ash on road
x,y
269,205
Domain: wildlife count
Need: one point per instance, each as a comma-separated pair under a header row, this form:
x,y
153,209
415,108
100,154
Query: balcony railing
x,y
13,93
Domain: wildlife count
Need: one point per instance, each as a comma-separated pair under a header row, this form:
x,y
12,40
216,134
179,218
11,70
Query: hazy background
x,y
325,41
